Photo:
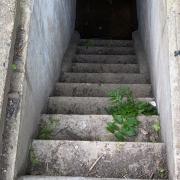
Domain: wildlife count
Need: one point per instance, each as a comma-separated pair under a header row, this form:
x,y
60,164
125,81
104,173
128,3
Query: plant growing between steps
x,y
89,43
125,110
33,158
46,129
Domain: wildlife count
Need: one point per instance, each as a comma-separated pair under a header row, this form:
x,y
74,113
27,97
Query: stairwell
x,y
76,145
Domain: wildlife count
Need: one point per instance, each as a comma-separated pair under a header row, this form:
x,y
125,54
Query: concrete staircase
x,y
73,143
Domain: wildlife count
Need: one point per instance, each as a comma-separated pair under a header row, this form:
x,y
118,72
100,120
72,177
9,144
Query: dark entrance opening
x,y
108,19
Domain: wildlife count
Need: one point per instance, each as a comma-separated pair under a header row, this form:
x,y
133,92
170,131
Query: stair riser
x,y
93,128
104,68
98,159
106,43
106,59
104,78
106,50
99,90
75,105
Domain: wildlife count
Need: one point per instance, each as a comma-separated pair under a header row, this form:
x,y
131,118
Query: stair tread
x,y
106,50
102,68
100,90
81,105
122,78
116,159
68,178
108,59
100,42
93,127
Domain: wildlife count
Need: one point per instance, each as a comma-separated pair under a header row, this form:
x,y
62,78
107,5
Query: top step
x,y
105,50
107,43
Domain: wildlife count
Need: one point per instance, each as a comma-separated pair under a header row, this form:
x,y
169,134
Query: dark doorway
x,y
108,19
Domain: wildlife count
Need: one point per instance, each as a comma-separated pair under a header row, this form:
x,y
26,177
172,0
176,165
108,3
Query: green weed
x,y
157,127
13,67
33,158
125,110
163,173
46,129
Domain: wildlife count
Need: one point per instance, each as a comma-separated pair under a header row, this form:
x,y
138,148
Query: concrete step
x,y
104,68
81,105
121,78
67,178
106,59
98,159
99,90
106,50
93,128
107,43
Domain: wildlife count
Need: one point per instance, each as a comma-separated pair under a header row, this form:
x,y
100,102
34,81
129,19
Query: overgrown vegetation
x,y
125,110
47,128
33,158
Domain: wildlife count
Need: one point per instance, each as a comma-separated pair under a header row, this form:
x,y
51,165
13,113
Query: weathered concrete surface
x,y
106,59
104,68
159,23
106,50
121,78
174,66
113,159
67,178
99,90
93,128
107,43
46,28
52,25
7,40
81,105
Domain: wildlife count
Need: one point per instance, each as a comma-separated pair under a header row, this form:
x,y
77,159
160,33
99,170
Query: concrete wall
x,y
7,39
51,27
155,20
43,36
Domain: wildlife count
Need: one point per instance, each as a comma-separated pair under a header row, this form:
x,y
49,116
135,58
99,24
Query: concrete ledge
x,y
81,105
106,50
121,78
70,178
93,128
106,59
107,43
116,159
99,90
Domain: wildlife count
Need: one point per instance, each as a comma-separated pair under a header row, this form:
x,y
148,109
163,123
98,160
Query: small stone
x,y
153,103
144,132
76,147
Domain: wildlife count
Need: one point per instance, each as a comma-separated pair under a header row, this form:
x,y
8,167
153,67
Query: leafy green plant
x,y
125,110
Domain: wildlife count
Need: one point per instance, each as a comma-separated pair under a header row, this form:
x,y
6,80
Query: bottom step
x,y
67,178
99,159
